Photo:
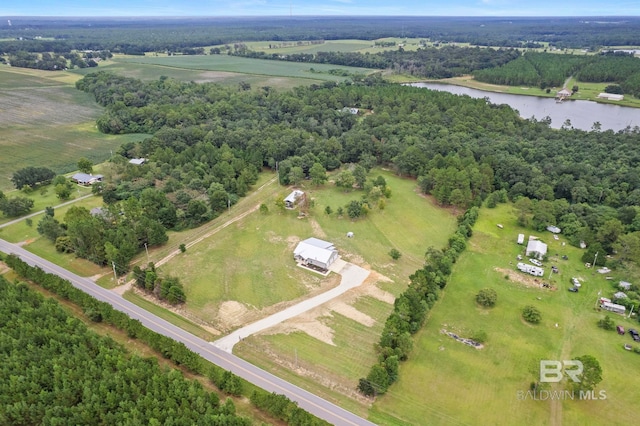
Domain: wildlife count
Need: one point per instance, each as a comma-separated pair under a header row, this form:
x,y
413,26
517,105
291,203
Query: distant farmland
x,y
47,122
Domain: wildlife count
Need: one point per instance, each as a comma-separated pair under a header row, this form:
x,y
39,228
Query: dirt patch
x,y
215,76
231,314
523,279
352,313
317,230
25,242
307,323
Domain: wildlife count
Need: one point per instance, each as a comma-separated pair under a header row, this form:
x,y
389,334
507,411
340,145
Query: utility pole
x,y
115,276
229,204
594,260
147,250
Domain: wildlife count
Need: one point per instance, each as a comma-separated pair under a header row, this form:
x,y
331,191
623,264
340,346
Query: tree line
x,y
168,398
549,69
410,309
160,35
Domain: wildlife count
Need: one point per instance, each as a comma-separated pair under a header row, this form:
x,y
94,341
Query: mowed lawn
x,y
46,122
446,382
409,223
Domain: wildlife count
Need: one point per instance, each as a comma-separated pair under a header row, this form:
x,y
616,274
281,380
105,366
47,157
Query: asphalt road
x,y
306,400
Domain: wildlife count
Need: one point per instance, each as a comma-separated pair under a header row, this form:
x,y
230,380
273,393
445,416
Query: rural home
x,y
293,199
86,179
137,161
564,93
315,252
536,249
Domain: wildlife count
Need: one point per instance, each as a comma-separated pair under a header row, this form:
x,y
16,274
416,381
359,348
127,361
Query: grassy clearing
x,y
442,372
411,224
167,315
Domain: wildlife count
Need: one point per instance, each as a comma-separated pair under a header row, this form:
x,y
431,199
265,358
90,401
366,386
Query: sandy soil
x,y
524,279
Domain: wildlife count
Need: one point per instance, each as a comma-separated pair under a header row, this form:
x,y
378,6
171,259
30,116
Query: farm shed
x,y
520,238
536,249
611,96
293,198
86,179
137,161
313,251
620,295
624,285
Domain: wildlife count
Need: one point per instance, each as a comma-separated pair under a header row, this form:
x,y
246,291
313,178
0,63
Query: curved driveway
x,y
352,276
306,400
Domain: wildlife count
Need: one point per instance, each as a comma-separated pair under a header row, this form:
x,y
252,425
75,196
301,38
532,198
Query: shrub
x,y
487,297
531,314
606,323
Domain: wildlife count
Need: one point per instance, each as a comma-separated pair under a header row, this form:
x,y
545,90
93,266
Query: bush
x,y
531,314
395,254
606,323
487,297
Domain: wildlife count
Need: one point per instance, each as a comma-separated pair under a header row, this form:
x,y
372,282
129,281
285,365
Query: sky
x,y
170,8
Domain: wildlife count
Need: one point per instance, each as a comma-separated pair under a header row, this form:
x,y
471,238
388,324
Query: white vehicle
x,y
535,262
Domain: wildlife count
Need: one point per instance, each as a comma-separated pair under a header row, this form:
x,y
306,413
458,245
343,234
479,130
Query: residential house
x,y
315,252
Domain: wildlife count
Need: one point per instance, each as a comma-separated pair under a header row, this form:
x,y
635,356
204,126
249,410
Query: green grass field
x,y
446,382
409,223
47,122
247,66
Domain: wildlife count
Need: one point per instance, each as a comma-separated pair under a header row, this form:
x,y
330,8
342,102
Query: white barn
x,y
313,251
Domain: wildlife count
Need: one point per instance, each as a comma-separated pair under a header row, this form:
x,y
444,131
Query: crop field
x,y
446,382
48,123
249,66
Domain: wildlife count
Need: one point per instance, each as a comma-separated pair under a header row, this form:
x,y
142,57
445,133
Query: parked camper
x,y
530,269
612,307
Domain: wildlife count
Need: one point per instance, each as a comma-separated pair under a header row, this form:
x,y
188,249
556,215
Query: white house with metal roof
x,y
536,248
315,252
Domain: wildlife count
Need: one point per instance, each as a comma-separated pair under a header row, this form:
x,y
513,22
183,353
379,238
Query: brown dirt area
x,y
521,278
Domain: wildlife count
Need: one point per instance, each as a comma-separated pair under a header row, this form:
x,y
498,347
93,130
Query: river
x,y
582,114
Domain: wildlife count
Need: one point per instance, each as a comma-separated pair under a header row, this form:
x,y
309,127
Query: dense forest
x,y
548,69
135,36
56,371
428,62
210,141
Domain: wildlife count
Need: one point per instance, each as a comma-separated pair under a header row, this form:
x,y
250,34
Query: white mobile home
x,y
612,307
530,269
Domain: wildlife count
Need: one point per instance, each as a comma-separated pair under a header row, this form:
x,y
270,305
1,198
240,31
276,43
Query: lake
x,y
582,114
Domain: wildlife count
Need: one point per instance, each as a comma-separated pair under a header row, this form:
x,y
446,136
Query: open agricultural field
x,y
446,382
330,347
248,66
46,122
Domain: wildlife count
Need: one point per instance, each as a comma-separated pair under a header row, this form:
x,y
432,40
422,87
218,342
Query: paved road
x,y
352,276
306,400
